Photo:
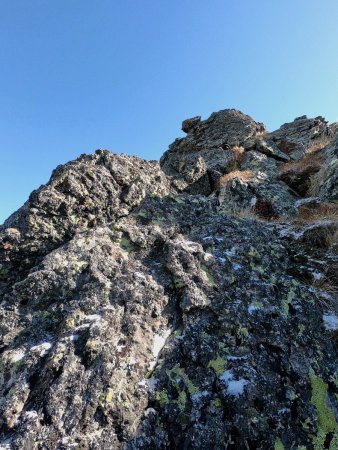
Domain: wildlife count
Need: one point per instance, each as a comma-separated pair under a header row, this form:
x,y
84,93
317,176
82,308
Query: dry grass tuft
x,y
243,175
316,182
309,213
313,160
318,144
238,153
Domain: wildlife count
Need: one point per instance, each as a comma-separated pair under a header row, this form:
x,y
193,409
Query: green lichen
x,y
162,398
179,283
242,333
178,199
286,301
149,374
326,417
109,396
258,269
253,253
218,403
273,280
179,372
279,444
126,244
182,400
218,365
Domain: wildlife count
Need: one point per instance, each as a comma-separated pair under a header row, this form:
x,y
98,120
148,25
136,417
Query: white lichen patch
x,y
234,387
330,321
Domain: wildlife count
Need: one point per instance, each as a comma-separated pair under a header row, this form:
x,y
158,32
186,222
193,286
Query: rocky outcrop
x,y
296,137
198,160
190,307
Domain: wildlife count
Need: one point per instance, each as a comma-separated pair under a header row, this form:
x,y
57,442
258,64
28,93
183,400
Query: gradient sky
x,y
77,75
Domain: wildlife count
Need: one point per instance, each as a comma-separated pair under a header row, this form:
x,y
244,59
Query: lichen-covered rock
x,y
199,159
134,316
294,138
88,192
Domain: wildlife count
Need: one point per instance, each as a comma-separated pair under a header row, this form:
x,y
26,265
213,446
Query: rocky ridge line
x,y
191,304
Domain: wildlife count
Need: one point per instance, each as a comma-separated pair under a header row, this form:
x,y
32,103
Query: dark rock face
x,y
296,137
200,158
134,315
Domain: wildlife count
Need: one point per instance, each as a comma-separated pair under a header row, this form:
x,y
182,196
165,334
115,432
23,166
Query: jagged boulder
x,y
91,191
199,159
294,138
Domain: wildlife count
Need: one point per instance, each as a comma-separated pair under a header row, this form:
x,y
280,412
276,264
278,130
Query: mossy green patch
x,y
279,444
218,365
326,418
126,244
179,372
182,400
218,403
253,253
162,398
286,301
179,283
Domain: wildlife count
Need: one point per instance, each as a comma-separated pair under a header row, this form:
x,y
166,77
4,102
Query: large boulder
x,y
93,190
199,159
295,138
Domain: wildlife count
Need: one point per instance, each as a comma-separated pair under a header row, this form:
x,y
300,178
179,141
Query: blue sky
x,y
77,75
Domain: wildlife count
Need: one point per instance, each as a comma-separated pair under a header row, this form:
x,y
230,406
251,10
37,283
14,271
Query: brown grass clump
x,y
318,144
316,182
243,175
300,175
310,160
238,153
308,213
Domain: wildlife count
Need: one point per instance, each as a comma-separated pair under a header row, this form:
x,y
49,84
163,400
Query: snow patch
x,y
152,383
197,397
42,349
93,317
30,415
253,308
234,387
317,275
17,355
159,341
158,344
330,322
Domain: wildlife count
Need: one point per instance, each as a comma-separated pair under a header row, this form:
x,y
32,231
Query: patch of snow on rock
x,y
234,387
42,349
330,322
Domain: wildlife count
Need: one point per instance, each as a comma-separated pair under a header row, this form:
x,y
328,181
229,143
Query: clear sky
x,y
77,75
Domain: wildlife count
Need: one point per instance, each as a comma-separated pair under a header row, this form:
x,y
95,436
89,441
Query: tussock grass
x,y
310,213
243,175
